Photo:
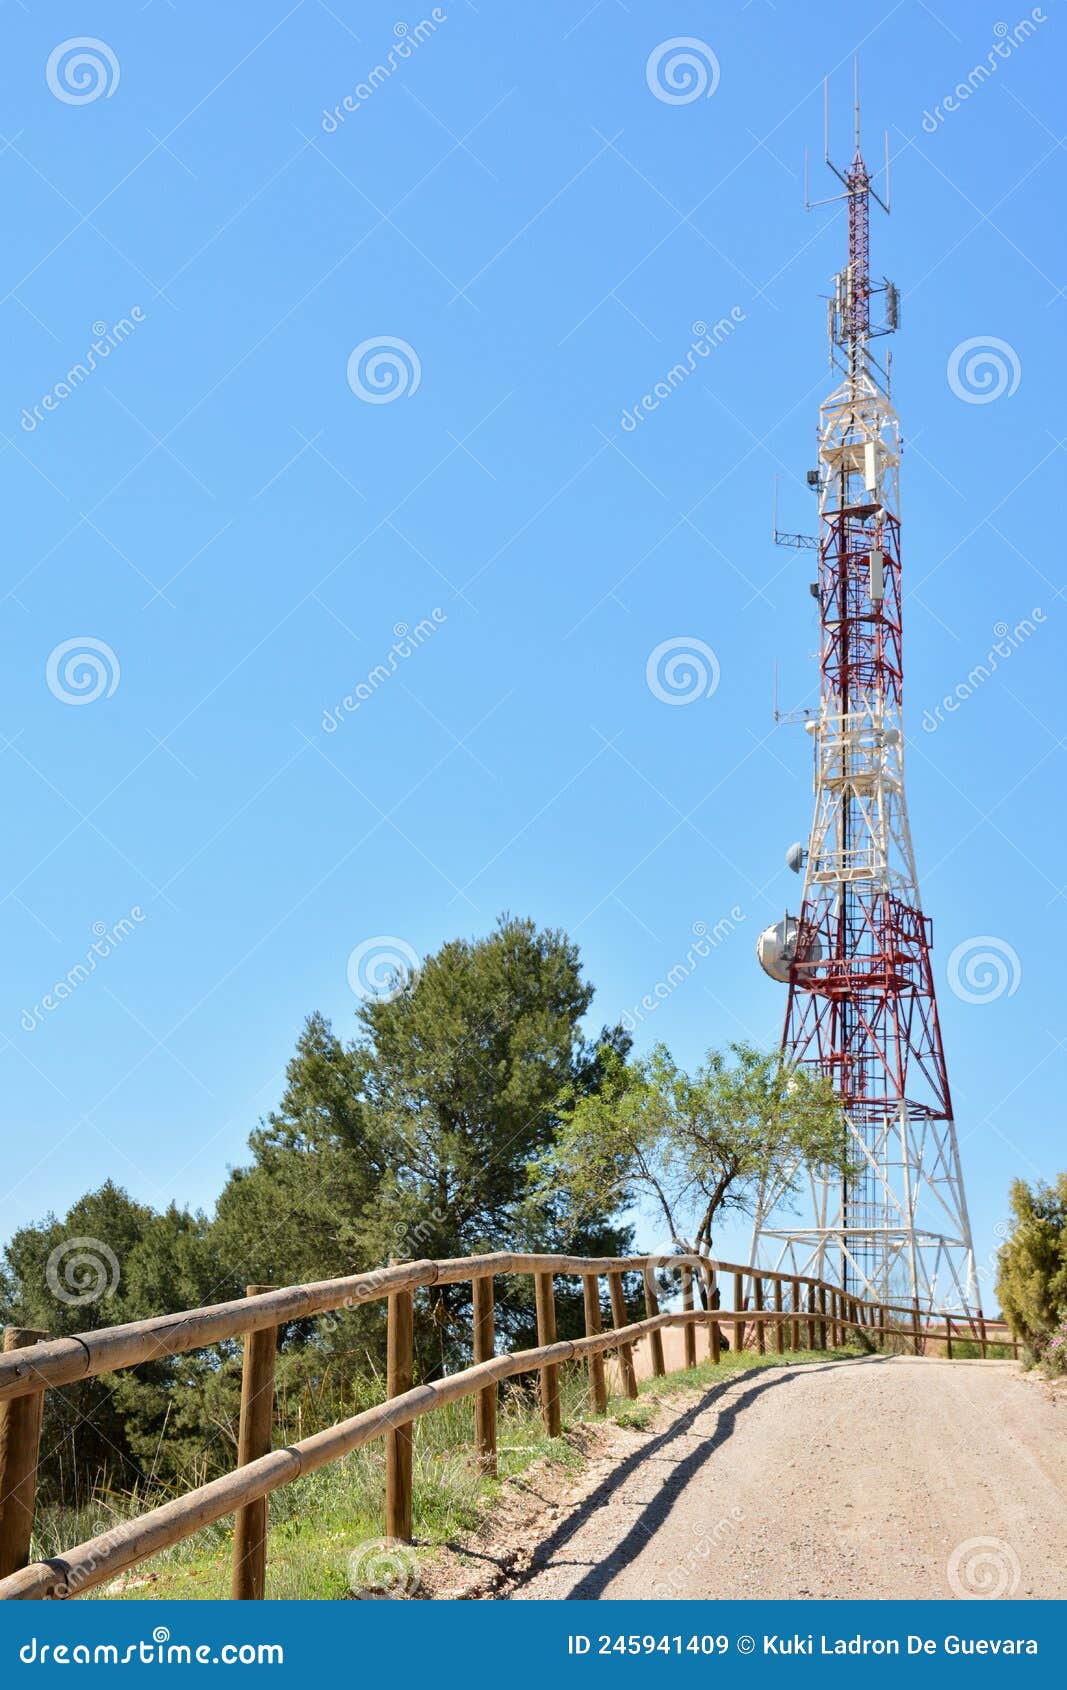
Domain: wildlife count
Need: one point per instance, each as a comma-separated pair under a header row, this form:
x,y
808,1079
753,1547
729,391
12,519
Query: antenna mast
x,y
862,1008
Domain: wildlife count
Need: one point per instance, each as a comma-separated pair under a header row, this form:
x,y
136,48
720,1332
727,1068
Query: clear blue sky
x,y
243,531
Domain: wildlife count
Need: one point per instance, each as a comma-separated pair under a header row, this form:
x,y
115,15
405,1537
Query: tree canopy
x,y
693,1146
413,1139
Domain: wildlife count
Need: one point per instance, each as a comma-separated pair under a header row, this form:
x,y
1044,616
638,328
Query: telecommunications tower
x,y
861,1007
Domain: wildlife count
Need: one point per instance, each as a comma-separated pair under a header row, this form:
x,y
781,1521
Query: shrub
x,y
1054,1355
1032,1263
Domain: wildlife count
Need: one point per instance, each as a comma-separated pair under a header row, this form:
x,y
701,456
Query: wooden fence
x,y
802,1312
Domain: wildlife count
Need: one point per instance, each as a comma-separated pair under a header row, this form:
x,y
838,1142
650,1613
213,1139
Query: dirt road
x,y
882,1477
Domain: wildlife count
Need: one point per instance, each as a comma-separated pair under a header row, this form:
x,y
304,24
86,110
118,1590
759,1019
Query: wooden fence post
x,y
546,1334
948,1337
248,1578
739,1309
714,1329
689,1330
597,1381
484,1350
20,1443
821,1295
757,1299
659,1367
794,1304
779,1325
915,1329
399,1372
712,1294
619,1318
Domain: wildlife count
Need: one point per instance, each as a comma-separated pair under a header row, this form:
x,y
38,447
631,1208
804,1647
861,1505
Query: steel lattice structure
x,y
862,1007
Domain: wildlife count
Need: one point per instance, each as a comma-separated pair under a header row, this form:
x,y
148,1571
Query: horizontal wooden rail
x,y
102,1558
63,1361
825,1314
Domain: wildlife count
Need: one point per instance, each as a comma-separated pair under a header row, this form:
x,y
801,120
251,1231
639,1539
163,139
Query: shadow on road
x,y
652,1516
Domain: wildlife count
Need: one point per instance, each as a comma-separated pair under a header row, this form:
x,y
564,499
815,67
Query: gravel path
x,y
881,1477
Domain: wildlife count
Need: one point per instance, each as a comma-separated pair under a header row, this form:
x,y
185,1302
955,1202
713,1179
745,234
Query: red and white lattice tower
x,y
862,1007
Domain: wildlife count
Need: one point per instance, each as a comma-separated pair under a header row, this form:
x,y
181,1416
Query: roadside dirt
x,y
881,1477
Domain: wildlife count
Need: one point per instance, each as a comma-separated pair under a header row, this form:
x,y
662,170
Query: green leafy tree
x,y
1032,1261
413,1140
296,1213
692,1147
109,1260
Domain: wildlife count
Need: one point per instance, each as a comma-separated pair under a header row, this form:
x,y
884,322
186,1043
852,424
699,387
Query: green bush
x,y
1032,1263
1054,1354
